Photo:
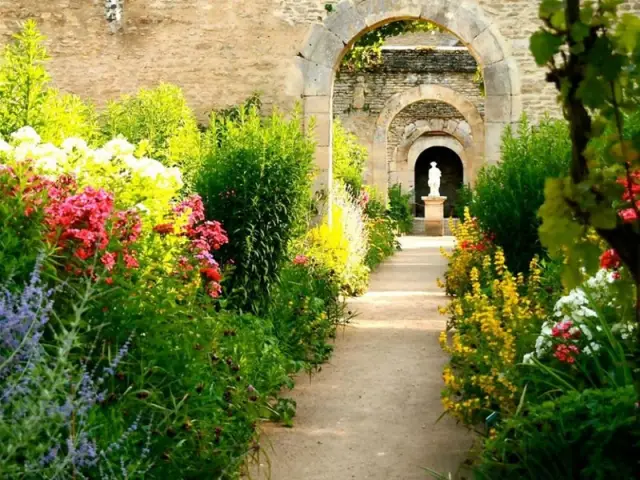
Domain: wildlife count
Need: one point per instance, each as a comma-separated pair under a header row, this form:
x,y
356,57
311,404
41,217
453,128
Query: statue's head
x,y
360,79
434,164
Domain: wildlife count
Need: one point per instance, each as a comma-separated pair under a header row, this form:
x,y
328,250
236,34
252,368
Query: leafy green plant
x,y
349,158
27,100
382,241
366,51
160,122
262,168
590,434
507,196
399,209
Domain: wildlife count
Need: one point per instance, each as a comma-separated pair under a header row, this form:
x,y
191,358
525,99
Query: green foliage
x,y
598,81
507,196
464,199
382,241
21,229
161,121
366,51
23,80
349,157
27,100
257,182
305,310
591,434
399,209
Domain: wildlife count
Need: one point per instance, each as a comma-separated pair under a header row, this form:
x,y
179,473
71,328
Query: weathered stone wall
x,y
402,69
220,51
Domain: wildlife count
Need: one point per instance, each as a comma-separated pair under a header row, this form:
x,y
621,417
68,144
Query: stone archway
x,y
475,151
327,43
458,129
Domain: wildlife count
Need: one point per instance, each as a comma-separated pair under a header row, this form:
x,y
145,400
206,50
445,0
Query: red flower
x,y
211,274
566,353
109,260
628,215
108,281
610,260
130,261
164,228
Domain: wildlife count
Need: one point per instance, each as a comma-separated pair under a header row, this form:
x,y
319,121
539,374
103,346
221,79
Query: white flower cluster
x,y
77,158
573,312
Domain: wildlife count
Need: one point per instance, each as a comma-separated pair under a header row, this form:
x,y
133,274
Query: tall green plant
x,y
27,100
399,208
508,195
349,158
257,181
23,80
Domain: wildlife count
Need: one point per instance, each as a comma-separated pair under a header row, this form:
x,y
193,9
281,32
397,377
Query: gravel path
x,y
371,413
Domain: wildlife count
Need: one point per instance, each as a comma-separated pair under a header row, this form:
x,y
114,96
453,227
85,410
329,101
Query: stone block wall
x,y
222,51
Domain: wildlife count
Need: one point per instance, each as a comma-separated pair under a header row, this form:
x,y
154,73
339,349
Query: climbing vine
x,y
591,53
367,51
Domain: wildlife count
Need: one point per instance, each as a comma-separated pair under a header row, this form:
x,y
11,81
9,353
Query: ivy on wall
x,y
367,51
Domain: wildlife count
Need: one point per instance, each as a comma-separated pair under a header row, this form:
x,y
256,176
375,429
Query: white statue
x,y
434,180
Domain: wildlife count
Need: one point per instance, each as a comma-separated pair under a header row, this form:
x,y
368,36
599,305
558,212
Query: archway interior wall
x,y
471,131
327,43
405,173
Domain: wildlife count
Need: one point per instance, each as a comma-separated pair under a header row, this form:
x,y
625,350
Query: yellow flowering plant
x,y
472,245
490,328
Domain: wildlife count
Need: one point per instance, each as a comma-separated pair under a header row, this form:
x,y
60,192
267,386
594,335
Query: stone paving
x,y
371,413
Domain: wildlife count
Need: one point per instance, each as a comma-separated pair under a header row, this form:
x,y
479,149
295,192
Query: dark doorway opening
x,y
452,177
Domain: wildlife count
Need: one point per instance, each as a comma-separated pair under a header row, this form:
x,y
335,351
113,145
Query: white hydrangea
x,y
119,147
25,135
48,158
147,167
100,155
72,143
4,146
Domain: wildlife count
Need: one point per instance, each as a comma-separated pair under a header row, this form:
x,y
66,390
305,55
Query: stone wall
x,y
401,69
220,51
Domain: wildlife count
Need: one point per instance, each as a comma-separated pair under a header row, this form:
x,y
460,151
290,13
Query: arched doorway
x,y
452,170
326,43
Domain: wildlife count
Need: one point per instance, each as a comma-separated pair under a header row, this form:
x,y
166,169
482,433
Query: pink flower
x,y
300,260
130,261
109,260
566,353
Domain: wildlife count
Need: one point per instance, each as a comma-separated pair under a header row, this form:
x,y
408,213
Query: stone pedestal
x,y
434,216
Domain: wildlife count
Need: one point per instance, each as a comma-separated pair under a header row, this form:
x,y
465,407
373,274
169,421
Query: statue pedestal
x,y
434,216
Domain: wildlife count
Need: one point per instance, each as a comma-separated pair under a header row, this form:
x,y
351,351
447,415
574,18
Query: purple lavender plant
x,y
47,400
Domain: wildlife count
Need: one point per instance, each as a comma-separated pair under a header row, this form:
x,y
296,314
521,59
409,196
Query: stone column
x,y
434,216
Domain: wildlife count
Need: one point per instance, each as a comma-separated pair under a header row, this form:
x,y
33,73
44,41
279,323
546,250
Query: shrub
x,y
342,247
591,434
382,241
27,100
305,311
50,401
507,196
400,208
161,122
262,169
349,158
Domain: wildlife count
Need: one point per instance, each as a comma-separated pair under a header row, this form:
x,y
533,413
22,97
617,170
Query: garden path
x,y
371,412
